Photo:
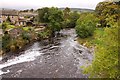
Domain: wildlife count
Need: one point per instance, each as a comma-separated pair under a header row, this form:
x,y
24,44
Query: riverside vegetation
x,y
103,36
98,29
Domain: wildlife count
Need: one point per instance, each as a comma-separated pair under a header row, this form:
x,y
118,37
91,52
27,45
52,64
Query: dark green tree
x,y
55,20
52,16
86,25
74,16
66,13
42,15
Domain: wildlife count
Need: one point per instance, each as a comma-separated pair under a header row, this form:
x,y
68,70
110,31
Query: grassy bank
x,y
92,40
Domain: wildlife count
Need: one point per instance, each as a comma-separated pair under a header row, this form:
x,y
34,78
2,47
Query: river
x,y
61,59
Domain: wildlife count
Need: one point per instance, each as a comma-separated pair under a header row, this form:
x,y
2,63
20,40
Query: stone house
x,y
27,14
16,17
21,22
25,18
12,14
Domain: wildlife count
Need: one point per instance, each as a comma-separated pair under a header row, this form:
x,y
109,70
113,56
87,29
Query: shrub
x,y
26,36
44,34
86,25
105,63
5,41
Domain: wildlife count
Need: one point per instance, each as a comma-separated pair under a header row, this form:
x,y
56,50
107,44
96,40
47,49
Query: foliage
x,y
20,42
66,13
26,28
5,41
26,36
70,22
10,26
55,19
0,25
105,10
105,62
74,16
85,26
41,15
8,19
7,26
4,25
44,34
53,16
70,18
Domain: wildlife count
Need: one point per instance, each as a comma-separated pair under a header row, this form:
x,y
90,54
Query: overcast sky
x,y
28,4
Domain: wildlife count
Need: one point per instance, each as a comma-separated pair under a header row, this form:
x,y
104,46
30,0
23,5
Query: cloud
x,y
24,4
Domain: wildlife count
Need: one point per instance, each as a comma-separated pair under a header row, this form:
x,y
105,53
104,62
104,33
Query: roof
x,y
27,14
8,12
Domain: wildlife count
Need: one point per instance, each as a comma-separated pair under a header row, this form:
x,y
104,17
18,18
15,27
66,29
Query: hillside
x,y
79,9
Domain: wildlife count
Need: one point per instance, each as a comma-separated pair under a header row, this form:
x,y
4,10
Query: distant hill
x,y
79,9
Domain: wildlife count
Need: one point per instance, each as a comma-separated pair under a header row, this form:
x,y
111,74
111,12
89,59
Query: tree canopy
x,y
53,16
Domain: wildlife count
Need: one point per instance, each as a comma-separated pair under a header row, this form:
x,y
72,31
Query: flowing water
x,y
63,58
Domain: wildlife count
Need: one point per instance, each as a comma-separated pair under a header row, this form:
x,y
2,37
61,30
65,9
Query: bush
x,y
44,34
26,36
86,25
105,63
5,41
71,20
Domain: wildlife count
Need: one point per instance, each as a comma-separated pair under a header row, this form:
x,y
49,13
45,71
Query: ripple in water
x,y
29,55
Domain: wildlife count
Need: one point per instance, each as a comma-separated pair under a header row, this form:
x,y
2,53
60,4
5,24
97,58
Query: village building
x,y
25,18
27,14
16,17
8,13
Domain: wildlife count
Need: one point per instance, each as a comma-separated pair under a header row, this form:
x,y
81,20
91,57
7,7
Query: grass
x,y
92,40
0,25
10,26
26,28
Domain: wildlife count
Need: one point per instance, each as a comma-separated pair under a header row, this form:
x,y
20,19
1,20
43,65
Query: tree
x,y
106,9
86,25
105,64
74,16
70,18
42,14
31,10
5,41
55,18
66,13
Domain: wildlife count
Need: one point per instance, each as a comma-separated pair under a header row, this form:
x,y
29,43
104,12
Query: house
x,y
24,22
27,14
21,22
16,17
12,14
